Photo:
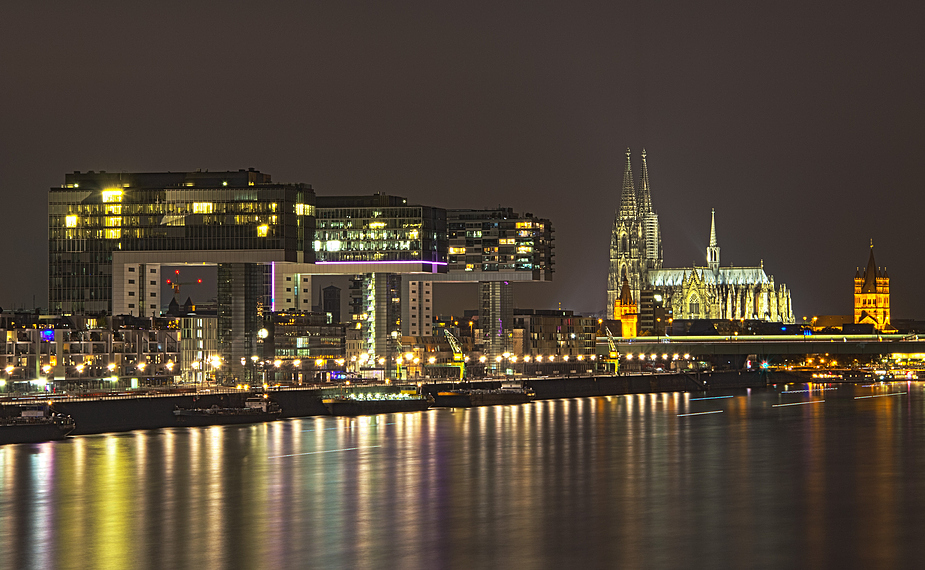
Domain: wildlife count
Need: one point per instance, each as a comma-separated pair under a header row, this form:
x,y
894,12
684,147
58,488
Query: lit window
x,y
113,234
304,209
457,250
112,195
202,207
263,230
70,221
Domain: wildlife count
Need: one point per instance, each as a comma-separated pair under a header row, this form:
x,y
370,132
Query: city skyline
x,y
803,140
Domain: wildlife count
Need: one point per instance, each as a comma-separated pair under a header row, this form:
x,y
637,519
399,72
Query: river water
x,y
787,477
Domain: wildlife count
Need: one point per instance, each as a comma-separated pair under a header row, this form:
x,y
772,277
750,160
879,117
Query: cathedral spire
x,y
712,227
628,194
645,196
713,248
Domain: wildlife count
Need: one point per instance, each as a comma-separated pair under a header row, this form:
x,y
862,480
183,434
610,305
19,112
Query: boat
x,y
254,410
508,394
363,404
35,424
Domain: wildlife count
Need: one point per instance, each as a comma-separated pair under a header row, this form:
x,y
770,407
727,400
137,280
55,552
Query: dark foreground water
x,y
616,482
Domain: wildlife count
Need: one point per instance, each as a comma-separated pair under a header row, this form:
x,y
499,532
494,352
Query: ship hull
x,y
211,418
349,407
34,433
464,399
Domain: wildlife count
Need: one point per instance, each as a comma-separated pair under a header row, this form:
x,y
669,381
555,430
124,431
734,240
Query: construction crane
x,y
614,353
175,285
458,359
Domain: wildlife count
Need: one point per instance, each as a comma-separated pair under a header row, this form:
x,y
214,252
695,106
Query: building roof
x,y
722,276
870,274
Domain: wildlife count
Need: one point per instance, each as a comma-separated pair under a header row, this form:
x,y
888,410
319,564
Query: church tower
x,y
651,234
872,295
625,258
626,311
713,248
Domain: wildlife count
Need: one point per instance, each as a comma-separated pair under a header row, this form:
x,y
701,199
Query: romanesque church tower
x,y
635,241
872,295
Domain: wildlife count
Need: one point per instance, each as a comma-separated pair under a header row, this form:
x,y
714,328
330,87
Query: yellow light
x,y
203,207
319,362
70,221
431,360
277,363
482,359
263,230
112,195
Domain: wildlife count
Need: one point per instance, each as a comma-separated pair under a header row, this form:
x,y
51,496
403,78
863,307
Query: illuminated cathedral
x,y
707,292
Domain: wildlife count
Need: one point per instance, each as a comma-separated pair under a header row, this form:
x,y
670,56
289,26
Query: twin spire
x,y
633,204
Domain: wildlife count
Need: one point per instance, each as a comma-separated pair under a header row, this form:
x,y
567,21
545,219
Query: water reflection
x,y
606,482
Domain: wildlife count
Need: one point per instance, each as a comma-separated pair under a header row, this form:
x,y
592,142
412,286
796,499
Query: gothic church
x,y
708,292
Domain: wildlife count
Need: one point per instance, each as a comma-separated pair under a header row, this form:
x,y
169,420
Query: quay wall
x,y
127,412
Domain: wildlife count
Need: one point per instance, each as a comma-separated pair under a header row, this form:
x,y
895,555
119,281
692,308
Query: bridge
x,y
771,346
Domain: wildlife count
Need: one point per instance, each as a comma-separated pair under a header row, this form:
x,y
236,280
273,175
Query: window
x,y
131,305
154,271
131,293
289,279
131,281
153,306
288,289
154,283
154,294
131,270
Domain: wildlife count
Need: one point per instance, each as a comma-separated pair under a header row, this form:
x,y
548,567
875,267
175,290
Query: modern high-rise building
x,y
110,234
496,248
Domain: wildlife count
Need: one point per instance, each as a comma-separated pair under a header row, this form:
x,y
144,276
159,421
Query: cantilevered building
x,y
110,233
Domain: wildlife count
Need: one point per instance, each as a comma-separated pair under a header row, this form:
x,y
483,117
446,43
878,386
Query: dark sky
x,y
803,125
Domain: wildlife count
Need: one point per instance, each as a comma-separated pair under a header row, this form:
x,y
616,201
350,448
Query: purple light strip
x,y
380,262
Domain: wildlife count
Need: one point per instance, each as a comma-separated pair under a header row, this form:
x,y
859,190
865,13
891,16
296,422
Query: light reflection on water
x,y
602,482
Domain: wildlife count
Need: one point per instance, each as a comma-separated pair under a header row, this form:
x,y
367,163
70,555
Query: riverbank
x,y
102,413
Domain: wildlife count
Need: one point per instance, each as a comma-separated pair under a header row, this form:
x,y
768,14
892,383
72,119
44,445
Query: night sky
x,y
802,125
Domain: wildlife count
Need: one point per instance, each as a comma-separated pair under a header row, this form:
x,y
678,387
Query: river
x,y
784,477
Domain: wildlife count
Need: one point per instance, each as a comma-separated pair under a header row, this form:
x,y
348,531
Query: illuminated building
x,y
110,233
554,333
635,240
99,352
302,346
872,296
626,311
377,238
707,292
496,248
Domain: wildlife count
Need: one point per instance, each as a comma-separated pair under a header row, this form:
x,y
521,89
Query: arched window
x,y
694,307
626,244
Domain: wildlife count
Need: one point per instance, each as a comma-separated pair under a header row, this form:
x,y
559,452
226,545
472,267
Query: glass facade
x,y
96,214
500,240
378,228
